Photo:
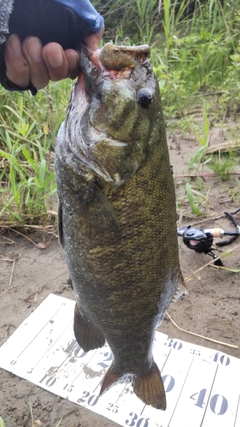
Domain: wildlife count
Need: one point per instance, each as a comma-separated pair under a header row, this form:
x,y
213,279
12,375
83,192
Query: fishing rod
x,y
201,240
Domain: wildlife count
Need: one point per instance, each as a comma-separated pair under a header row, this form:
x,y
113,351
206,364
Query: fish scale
x,y
119,236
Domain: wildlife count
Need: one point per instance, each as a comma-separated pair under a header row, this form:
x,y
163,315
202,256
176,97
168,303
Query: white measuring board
x,y
202,385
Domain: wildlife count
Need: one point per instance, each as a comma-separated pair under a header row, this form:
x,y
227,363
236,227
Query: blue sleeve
x,y
85,10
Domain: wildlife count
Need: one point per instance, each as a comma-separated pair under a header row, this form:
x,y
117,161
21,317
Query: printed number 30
x,y
141,422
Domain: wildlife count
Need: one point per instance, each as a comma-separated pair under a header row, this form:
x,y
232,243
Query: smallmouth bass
x,y
117,215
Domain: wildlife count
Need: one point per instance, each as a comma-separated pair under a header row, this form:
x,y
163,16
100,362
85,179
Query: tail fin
x,y
112,376
149,388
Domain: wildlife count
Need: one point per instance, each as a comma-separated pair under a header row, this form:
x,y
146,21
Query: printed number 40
x,y
218,403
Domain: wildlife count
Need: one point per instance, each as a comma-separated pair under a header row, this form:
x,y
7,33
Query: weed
x,y
27,133
59,422
185,124
197,201
196,55
223,164
34,423
38,422
146,28
203,139
30,181
138,18
234,192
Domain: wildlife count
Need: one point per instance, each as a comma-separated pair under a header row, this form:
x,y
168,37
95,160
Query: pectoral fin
x,y
98,217
86,334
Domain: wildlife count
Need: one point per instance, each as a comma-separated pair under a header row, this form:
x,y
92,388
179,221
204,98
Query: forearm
x,y
66,22
5,12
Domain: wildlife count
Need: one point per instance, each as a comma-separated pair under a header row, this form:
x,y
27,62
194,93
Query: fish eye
x,y
144,97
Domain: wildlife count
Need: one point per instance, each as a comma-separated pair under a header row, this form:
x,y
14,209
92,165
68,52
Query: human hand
x,y
30,62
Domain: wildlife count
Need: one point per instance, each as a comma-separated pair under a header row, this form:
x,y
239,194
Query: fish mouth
x,y
111,61
120,58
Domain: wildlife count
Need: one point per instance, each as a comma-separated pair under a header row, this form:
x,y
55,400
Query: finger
x,y
93,40
73,63
17,67
32,50
56,61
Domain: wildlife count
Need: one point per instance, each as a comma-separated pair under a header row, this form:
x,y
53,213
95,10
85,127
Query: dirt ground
x,y
211,308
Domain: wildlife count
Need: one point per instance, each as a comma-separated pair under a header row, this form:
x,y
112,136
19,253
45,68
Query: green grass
x,y
198,56
223,164
203,139
137,22
198,202
27,135
196,59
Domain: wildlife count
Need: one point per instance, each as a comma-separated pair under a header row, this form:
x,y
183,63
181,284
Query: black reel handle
x,y
197,240
202,240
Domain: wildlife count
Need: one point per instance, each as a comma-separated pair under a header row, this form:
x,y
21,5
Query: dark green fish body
x,y
117,216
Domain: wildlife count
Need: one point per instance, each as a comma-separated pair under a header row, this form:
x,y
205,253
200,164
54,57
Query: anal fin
x,y
150,389
86,334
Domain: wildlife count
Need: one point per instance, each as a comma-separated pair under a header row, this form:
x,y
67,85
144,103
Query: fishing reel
x,y
201,240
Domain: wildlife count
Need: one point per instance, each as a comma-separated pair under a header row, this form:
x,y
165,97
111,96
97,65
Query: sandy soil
x,y
211,308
